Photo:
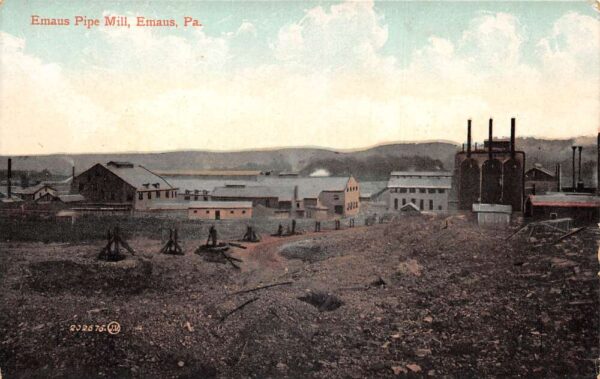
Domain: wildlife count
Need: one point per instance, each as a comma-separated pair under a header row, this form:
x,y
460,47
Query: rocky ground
x,y
419,297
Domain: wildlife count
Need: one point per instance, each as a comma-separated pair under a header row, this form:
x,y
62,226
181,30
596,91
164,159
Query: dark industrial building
x,y
491,175
539,180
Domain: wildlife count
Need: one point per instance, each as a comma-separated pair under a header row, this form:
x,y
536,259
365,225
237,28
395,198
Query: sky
x,y
267,74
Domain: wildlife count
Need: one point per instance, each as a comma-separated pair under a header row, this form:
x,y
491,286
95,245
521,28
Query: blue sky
x,y
273,73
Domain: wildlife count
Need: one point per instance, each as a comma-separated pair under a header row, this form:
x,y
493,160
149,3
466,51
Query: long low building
x,y
220,210
584,208
428,190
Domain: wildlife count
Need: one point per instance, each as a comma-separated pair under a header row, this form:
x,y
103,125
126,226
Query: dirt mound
x,y
322,301
129,275
310,250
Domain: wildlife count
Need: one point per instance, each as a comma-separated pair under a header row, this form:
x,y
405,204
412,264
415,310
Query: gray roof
x,y
367,189
71,198
422,181
139,176
246,191
420,173
308,187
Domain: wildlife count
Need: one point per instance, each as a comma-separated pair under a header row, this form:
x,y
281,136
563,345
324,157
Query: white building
x,y
428,190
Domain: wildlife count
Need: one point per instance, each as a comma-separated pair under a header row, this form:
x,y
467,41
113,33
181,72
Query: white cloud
x,y
328,85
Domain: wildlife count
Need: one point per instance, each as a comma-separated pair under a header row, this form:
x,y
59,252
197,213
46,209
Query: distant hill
x,y
367,164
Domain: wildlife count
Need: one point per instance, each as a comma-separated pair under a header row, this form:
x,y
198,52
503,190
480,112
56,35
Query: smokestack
x,y
579,174
512,137
469,139
574,148
9,179
558,177
490,138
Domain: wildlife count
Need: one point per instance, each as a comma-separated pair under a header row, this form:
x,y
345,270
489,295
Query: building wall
x,y
99,184
269,202
345,202
225,213
438,199
146,199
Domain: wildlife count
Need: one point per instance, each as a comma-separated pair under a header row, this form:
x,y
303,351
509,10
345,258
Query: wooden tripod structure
x,y
172,246
112,252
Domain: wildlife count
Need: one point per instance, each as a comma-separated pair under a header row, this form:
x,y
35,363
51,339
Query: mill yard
x,y
416,296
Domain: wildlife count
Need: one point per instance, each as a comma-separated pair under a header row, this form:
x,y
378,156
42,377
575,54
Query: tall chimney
x,y
512,137
9,179
574,148
579,174
469,139
490,138
558,173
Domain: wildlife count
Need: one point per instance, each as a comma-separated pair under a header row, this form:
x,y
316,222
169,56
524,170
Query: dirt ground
x,y
419,297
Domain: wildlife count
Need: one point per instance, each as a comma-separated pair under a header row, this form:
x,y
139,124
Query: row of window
x,y
231,212
421,204
158,194
414,190
351,189
352,205
205,198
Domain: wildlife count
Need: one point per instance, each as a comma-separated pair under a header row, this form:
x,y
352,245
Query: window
x,y
421,204
412,190
441,190
140,196
158,194
336,197
149,195
414,201
431,190
195,197
430,205
297,205
243,212
207,212
402,190
186,198
395,203
421,190
439,207
167,193
195,211
231,212
403,201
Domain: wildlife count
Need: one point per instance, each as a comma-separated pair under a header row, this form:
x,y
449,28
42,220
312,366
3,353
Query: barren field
x,y
419,297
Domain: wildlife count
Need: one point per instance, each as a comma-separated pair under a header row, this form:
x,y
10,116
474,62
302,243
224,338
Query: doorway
x,y
217,215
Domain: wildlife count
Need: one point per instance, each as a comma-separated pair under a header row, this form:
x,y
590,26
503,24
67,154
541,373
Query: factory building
x,y
491,175
124,183
427,190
